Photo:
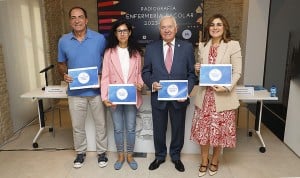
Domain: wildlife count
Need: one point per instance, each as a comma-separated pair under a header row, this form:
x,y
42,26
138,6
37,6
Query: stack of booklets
x,y
243,90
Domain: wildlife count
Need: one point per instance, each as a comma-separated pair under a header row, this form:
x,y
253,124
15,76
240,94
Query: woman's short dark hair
x,y
226,35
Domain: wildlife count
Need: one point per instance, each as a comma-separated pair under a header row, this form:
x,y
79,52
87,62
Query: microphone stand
x,y
46,76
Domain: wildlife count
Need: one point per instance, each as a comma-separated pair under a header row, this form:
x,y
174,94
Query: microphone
x,y
47,68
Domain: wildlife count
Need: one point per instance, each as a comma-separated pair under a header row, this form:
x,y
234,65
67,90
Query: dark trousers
x,y
160,124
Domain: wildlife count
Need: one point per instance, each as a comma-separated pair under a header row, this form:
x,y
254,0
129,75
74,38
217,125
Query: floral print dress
x,y
211,127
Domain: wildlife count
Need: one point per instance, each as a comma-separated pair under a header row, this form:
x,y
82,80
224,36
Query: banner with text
x,y
144,15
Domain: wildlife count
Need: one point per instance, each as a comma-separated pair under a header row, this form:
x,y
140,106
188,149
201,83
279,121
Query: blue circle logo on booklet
x,y
215,74
122,94
172,90
83,77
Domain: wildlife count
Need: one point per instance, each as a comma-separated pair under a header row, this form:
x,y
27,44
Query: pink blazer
x,y
112,73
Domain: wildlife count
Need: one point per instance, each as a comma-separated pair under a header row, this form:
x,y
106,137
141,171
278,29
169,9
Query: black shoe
x,y
178,165
155,164
102,160
78,162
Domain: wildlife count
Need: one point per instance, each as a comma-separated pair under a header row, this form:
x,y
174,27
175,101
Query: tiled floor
x,y
245,161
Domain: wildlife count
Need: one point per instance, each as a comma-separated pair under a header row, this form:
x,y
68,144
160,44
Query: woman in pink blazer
x,y
213,123
122,65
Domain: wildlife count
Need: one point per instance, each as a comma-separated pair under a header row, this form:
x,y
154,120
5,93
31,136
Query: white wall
x,y
292,131
257,28
23,50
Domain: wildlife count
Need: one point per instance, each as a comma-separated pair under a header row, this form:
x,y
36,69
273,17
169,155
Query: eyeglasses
x,y
216,24
124,31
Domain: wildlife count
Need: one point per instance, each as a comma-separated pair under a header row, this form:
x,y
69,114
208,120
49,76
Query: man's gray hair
x,y
166,17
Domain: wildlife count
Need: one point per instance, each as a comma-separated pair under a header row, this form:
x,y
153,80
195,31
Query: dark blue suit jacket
x,y
154,68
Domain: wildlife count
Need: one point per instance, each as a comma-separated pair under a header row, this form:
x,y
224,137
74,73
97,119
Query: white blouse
x,y
123,54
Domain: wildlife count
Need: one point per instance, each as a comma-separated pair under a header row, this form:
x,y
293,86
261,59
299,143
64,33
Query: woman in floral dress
x,y
215,106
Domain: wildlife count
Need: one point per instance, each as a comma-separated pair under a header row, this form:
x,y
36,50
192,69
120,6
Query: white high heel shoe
x,y
213,172
202,173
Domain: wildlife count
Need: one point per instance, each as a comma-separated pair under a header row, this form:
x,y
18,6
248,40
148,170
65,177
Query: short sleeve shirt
x,y
87,53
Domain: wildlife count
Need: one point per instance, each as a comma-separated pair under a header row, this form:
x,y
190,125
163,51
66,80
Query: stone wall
x,y
6,128
53,29
231,9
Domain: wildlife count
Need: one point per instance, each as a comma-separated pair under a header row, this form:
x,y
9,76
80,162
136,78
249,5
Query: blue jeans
x,y
124,115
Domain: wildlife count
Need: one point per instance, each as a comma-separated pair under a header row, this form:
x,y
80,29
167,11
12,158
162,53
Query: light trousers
x,y
78,107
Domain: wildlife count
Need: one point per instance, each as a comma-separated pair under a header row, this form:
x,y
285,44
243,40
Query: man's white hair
x,y
166,17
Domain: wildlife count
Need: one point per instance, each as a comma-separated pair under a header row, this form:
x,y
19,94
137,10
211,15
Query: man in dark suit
x,y
156,69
